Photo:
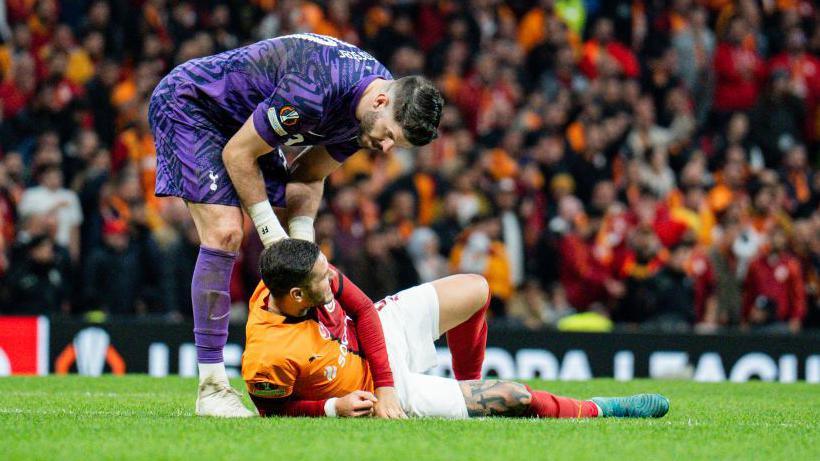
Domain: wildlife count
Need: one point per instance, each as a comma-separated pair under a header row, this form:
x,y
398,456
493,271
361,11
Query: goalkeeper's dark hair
x,y
418,107
287,264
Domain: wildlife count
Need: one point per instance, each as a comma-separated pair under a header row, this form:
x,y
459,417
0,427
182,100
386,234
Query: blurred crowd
x,y
652,164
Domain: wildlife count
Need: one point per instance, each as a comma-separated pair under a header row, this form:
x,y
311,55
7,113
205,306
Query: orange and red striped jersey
x,y
291,365
310,358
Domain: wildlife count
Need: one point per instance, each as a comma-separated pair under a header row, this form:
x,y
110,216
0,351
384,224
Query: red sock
x,y
467,343
546,405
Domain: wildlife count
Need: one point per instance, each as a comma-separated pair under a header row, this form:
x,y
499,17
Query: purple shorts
x,y
189,146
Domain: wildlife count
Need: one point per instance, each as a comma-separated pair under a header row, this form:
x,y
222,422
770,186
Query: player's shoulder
x,y
313,49
274,345
311,40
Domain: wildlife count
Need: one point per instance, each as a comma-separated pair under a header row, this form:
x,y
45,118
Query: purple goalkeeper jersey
x,y
302,90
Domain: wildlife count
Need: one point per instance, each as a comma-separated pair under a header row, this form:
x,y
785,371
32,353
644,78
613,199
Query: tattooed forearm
x,y
495,398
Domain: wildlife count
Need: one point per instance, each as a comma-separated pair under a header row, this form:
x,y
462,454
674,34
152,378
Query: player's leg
x,y
507,398
427,395
220,229
414,318
457,303
220,233
463,300
189,166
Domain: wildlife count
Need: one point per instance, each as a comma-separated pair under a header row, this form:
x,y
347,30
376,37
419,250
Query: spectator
x,y
602,52
18,87
532,29
113,281
646,136
449,225
699,269
584,278
777,119
674,309
98,19
79,67
35,283
728,272
99,91
590,165
692,210
737,136
695,45
512,230
656,175
797,176
424,250
738,70
638,272
48,197
774,297
480,251
803,74
406,274
807,250
401,213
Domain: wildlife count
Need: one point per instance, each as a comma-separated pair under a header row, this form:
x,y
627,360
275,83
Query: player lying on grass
x,y
302,357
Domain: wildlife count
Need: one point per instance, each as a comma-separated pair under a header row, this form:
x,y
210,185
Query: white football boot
x,y
218,398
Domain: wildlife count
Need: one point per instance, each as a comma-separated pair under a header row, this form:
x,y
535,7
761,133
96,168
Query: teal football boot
x,y
635,406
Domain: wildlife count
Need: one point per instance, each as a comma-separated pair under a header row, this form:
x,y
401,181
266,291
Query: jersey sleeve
x,y
294,108
274,380
288,407
368,327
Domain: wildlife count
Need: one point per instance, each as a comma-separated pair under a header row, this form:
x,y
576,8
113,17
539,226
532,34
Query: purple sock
x,y
212,302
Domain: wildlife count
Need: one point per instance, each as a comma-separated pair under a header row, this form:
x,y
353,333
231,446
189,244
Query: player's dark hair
x,y
287,264
418,109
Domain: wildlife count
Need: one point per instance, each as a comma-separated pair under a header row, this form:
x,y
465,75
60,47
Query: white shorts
x,y
410,323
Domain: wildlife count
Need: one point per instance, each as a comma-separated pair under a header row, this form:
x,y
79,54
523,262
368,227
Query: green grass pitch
x,y
138,417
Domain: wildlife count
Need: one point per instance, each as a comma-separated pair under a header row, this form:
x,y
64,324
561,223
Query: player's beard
x,y
320,298
366,127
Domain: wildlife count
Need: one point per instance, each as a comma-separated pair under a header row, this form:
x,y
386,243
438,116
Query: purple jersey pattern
x,y
300,89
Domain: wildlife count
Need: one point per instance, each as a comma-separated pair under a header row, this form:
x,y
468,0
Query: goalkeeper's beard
x,y
366,126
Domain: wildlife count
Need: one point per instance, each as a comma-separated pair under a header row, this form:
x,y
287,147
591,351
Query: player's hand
x,y
357,403
387,404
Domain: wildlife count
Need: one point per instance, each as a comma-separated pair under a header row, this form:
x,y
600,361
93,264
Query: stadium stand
x,y
655,163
